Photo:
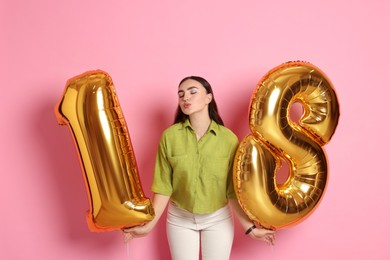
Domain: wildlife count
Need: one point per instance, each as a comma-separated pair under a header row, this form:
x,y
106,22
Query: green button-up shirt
x,y
197,175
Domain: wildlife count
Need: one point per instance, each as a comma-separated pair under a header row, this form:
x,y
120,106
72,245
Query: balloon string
x,y
128,250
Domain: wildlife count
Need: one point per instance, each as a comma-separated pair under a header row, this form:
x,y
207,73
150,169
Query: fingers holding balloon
x,y
264,234
269,240
127,236
136,232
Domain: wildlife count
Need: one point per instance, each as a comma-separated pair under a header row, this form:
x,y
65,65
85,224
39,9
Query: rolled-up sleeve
x,y
231,194
162,181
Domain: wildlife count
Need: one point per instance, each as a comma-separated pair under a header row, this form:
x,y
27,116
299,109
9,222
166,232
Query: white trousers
x,y
189,234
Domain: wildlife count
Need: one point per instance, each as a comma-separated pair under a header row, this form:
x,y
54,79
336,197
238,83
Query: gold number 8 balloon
x,y
90,107
275,137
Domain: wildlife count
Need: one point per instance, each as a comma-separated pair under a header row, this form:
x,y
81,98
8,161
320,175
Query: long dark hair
x,y
213,109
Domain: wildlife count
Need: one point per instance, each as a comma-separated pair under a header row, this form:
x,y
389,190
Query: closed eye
x,y
192,90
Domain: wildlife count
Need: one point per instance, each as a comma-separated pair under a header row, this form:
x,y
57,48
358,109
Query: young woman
x,y
193,177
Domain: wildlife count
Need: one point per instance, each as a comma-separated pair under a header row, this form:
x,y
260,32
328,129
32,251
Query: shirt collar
x,y
214,127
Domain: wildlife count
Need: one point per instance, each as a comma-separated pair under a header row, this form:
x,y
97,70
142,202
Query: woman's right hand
x,y
137,231
159,204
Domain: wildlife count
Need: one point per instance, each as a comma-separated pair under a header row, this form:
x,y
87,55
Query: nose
x,y
186,97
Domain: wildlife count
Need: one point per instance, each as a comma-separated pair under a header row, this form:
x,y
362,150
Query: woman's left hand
x,y
266,235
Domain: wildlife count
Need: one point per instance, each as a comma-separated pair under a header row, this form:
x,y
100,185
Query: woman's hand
x,y
159,204
266,235
258,233
137,231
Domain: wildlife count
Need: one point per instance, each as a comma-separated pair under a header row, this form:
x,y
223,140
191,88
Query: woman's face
x,y
193,97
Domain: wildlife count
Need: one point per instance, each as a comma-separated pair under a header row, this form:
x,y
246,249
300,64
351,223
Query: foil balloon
x,y
90,107
276,138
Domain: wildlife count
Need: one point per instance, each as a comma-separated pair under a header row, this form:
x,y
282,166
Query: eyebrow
x,y
192,87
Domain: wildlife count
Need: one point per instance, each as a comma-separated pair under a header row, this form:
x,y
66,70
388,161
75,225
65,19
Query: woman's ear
x,y
210,97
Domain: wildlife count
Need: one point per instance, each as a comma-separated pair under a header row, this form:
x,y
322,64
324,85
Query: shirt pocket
x,y
180,164
216,168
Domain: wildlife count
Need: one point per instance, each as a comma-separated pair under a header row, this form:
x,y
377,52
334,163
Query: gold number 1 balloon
x,y
91,109
276,137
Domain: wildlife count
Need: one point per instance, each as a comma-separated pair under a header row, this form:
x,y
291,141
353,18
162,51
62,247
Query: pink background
x,y
147,48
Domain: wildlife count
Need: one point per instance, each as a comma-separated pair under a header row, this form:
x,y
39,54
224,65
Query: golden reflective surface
x,y
276,137
90,107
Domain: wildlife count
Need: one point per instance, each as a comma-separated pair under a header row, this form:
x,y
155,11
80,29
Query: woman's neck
x,y
200,124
